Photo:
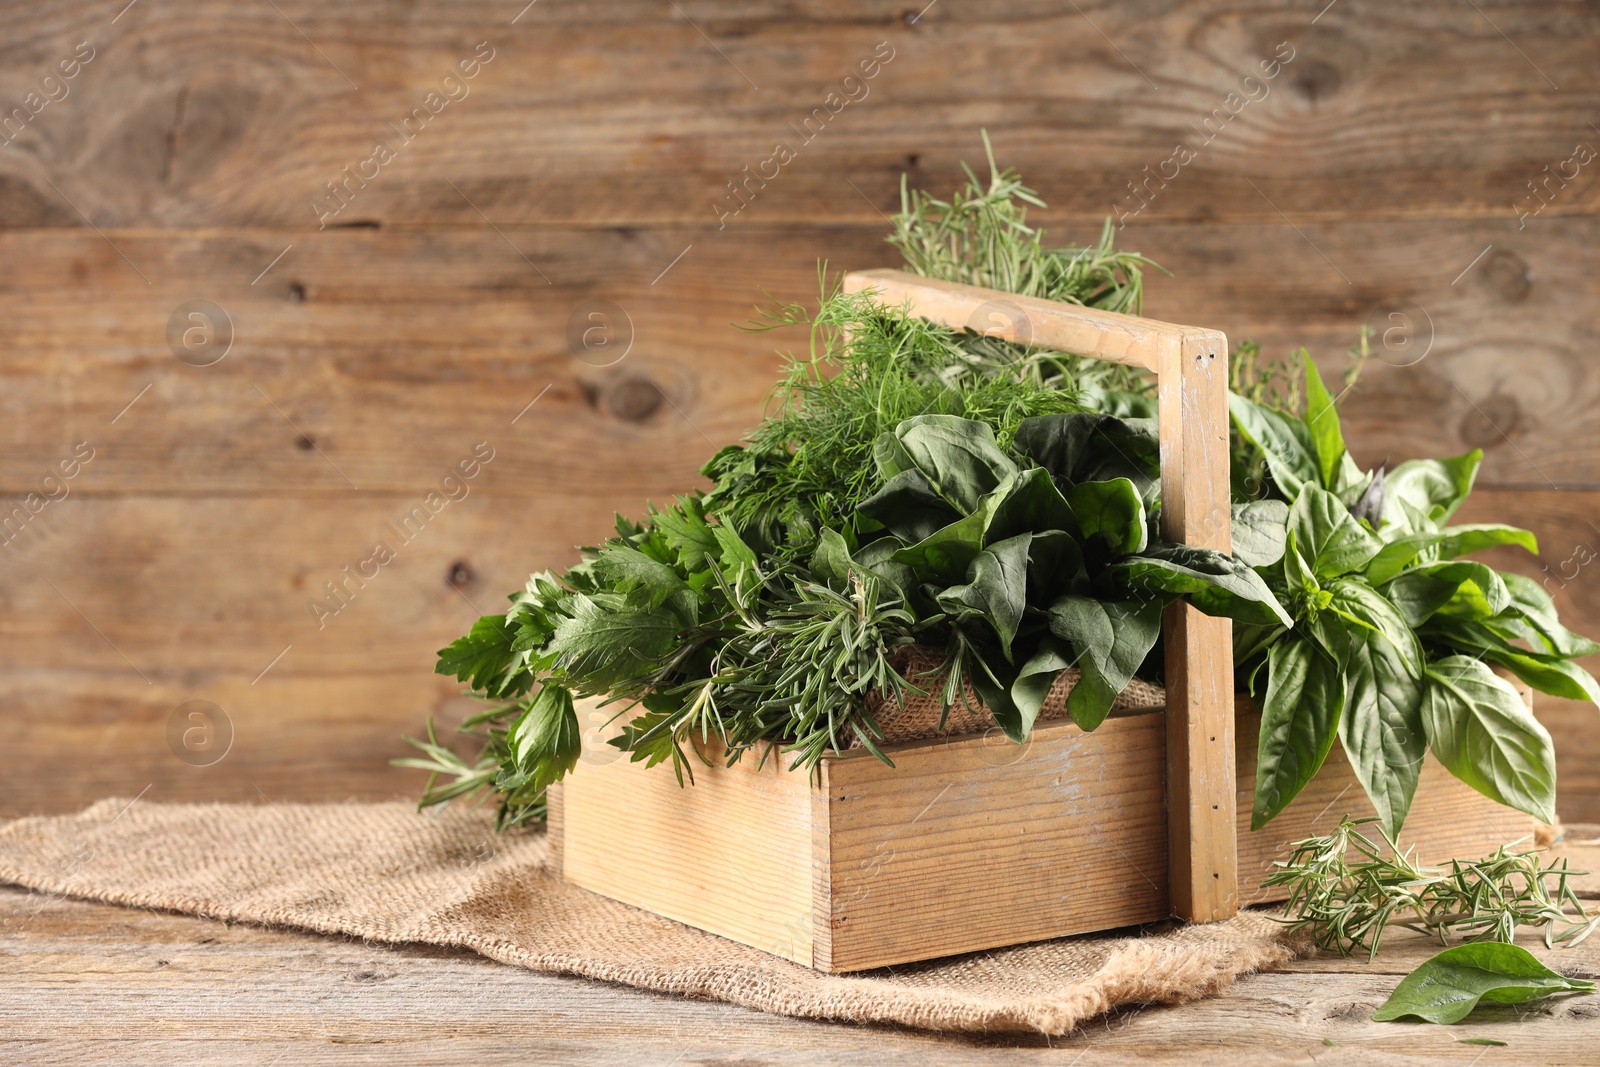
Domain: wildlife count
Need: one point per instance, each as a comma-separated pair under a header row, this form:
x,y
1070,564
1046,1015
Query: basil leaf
x,y
1299,720
1460,587
1533,603
1112,639
1447,987
1260,531
1381,727
959,457
1283,439
1111,512
1404,551
1548,674
1419,495
1322,423
1213,581
908,507
1484,734
997,588
1328,536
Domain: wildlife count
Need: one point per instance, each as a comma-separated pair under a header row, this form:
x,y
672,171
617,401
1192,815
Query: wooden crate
x,y
974,843
966,844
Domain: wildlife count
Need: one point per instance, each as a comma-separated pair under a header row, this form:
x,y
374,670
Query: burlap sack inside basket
x,y
916,718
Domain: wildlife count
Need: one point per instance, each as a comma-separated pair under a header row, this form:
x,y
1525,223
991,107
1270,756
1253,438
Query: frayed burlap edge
x,y
385,873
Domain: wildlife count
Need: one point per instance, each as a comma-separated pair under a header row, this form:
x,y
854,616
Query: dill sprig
x,y
1348,903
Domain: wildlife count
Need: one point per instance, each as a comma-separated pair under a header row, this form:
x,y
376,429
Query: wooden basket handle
x,y
1191,369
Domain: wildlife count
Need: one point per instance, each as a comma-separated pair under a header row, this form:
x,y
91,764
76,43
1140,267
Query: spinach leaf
x,y
944,555
1032,504
1112,639
1214,582
1282,438
908,507
997,589
1299,720
1259,531
1480,729
1447,987
1329,538
1460,587
1081,446
1111,513
1037,676
959,457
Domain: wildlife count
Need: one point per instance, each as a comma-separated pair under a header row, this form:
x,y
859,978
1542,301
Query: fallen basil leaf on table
x,y
1446,988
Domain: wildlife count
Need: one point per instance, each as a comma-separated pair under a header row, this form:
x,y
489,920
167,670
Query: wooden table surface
x,y
88,983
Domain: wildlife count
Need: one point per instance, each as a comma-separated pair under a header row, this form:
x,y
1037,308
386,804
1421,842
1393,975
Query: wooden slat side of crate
x,y
978,843
1448,818
730,854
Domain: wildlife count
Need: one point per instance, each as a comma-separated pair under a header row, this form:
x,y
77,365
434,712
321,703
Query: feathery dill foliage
x,y
870,366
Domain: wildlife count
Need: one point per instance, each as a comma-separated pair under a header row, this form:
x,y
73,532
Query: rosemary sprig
x,y
1348,904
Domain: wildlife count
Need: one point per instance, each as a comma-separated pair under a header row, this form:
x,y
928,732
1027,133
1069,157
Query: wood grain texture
x,y
94,984
1192,389
977,843
730,853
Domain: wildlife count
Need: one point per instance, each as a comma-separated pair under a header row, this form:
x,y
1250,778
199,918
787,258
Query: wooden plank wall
x,y
1383,171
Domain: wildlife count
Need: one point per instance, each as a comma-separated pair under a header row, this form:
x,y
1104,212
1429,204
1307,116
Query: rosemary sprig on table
x,y
1348,904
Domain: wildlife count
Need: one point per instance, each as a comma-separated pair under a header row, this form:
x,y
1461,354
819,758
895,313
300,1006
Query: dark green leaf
x,y
545,741
943,556
1032,504
1299,720
1259,531
687,532
1446,988
482,657
908,507
1322,422
1282,438
830,563
1111,512
1080,447
599,646
648,583
1480,729
1214,582
959,457
1111,640
1036,677
1328,536
997,587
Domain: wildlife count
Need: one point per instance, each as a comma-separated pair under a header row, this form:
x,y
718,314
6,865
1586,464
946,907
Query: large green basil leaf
x,y
1329,538
1322,423
1260,529
1402,551
959,457
1531,600
1111,512
1381,728
908,507
997,588
1214,582
1548,674
1111,639
1299,720
1420,495
1480,729
1461,587
1037,676
1447,987
1033,504
1283,439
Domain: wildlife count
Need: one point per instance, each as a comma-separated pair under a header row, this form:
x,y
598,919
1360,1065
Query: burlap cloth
x,y
387,873
916,717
